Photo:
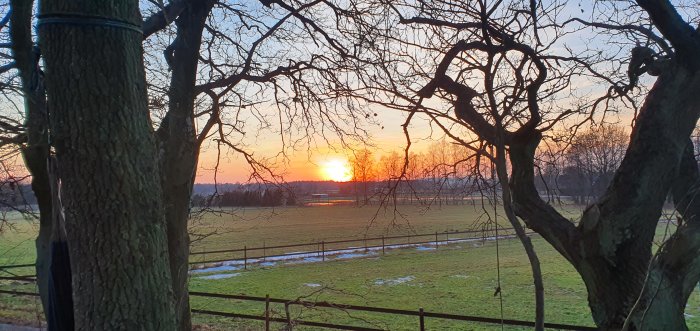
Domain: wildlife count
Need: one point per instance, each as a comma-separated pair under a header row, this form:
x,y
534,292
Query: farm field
x,y
235,228
458,279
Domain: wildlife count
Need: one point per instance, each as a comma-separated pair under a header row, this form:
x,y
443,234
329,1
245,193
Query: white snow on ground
x,y
215,269
395,281
220,276
313,257
312,285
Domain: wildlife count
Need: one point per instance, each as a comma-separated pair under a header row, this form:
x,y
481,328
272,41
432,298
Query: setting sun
x,y
336,170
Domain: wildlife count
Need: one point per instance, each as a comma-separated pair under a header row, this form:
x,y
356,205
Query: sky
x,y
317,162
304,164
313,163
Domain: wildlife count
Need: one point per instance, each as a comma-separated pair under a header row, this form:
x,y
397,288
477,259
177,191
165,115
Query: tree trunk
x,y
675,270
36,150
611,247
179,149
107,163
502,172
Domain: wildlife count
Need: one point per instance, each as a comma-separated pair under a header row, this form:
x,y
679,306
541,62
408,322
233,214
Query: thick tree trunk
x,y
180,151
107,163
611,247
675,270
36,150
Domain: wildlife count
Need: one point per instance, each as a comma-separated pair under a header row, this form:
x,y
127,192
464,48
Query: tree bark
x,y
502,172
107,163
36,150
675,270
179,149
611,247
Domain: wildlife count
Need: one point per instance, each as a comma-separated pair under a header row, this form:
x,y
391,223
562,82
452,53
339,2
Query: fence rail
x,y
322,248
421,314
322,251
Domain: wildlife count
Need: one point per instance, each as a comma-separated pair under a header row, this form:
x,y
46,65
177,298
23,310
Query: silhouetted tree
x,y
500,75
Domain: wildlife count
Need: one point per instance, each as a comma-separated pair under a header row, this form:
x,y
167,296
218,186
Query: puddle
x,y
395,281
268,264
424,248
220,276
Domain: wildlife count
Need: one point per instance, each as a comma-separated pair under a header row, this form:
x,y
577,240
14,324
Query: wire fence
x,y
267,317
324,249
420,314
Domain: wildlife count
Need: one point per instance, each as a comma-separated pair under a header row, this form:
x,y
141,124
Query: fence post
x,y
383,245
447,237
245,257
422,319
264,252
323,251
267,312
436,241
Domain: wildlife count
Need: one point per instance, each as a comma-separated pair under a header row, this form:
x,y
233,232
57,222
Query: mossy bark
x,y
108,166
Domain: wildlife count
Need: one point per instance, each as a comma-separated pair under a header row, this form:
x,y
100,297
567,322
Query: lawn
x,y
458,279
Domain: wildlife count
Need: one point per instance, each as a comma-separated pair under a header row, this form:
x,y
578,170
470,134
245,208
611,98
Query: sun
x,y
336,170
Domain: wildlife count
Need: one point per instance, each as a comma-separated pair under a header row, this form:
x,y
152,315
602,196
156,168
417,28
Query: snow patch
x,y
220,276
215,269
312,285
394,281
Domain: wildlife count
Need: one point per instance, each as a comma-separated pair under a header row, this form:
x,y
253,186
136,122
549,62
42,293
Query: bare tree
x,y
591,160
502,74
107,163
363,171
221,70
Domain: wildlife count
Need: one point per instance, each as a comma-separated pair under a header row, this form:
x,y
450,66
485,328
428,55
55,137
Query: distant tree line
x,y
583,169
246,198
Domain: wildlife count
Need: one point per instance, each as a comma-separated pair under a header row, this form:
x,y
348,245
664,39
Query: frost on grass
x,y
394,281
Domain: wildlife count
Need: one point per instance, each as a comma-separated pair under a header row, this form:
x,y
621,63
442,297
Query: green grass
x,y
458,279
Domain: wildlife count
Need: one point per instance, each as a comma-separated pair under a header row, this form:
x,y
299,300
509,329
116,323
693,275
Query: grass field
x,y
459,278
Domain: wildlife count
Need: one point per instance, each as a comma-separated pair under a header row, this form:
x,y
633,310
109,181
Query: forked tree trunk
x,y
36,150
107,162
180,151
675,270
611,247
